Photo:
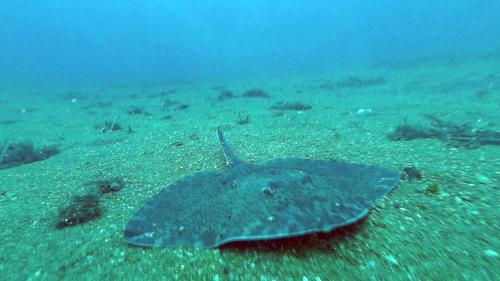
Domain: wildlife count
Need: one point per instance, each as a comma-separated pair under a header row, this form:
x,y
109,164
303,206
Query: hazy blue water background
x,y
47,43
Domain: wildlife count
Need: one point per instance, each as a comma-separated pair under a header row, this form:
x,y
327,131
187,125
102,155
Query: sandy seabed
x,y
450,232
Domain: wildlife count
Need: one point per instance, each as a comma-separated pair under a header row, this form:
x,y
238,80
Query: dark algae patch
x,y
183,106
169,104
453,134
82,209
162,93
8,122
411,173
352,82
225,95
298,106
85,208
109,185
137,110
406,132
16,154
432,188
255,93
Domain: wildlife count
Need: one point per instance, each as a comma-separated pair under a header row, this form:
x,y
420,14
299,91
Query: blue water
x,y
104,42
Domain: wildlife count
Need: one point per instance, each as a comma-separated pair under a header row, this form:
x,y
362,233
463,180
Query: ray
x,y
275,199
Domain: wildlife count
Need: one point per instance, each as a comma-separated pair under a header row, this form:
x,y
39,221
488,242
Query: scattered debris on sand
x,y
177,144
110,126
243,120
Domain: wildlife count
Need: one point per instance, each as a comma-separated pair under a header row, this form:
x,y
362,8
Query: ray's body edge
x,y
261,237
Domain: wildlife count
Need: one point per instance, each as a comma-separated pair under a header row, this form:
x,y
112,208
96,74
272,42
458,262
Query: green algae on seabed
x,y
451,235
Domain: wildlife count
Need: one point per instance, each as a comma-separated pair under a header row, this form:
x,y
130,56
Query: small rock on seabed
x,y
392,260
490,253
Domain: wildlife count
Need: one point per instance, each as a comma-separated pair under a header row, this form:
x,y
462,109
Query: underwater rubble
x,y
453,134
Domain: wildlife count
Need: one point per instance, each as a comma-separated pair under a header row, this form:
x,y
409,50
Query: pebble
x,y
305,278
474,212
216,277
364,111
392,260
458,200
483,179
490,253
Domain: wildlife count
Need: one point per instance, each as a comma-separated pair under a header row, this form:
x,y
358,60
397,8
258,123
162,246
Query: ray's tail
x,y
231,159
